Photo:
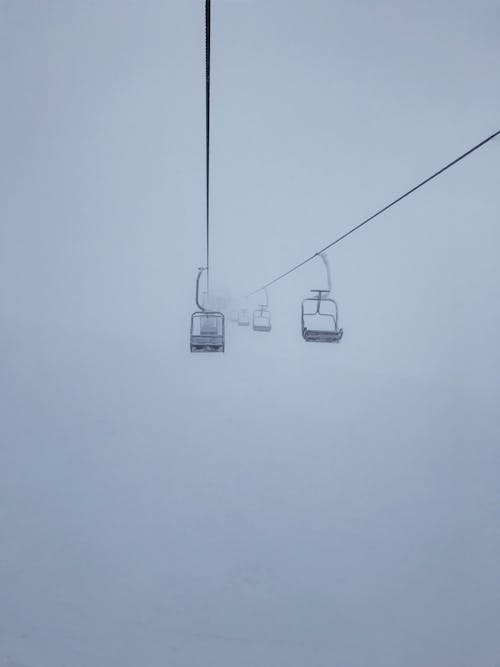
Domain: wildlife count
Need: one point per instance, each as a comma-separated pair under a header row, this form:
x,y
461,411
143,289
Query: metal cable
x,y
207,121
379,212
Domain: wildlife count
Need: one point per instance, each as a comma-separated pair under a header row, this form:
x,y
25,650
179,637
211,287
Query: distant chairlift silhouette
x,y
320,314
243,317
207,326
261,319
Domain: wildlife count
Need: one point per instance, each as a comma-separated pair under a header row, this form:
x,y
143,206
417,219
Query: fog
x,y
282,504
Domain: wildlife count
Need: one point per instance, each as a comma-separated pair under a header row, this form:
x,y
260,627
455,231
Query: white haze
x,y
284,504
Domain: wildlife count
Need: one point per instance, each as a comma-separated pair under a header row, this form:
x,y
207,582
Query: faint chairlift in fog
x,y
320,314
243,317
261,319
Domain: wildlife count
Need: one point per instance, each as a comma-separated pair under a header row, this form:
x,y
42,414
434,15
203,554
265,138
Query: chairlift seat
x,y
317,336
266,327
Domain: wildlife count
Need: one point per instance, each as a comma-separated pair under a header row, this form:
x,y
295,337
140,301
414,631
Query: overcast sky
x,y
283,504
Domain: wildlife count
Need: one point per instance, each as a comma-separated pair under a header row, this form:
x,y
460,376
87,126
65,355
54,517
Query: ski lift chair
x,y
243,318
207,331
320,314
320,319
261,319
207,327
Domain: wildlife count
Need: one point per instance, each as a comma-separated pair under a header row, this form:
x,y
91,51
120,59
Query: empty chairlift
x,y
261,319
320,314
207,327
243,317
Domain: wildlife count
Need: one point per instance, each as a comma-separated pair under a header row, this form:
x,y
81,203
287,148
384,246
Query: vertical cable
x,y
207,96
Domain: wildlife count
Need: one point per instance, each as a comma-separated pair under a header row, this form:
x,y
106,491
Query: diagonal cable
x,y
379,212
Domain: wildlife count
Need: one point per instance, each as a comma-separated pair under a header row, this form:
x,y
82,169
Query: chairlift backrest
x,y
210,324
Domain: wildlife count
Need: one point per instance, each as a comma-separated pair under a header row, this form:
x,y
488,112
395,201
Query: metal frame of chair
x,y
324,306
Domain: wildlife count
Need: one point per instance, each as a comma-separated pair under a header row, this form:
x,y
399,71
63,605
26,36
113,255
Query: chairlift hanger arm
x,y
197,296
324,257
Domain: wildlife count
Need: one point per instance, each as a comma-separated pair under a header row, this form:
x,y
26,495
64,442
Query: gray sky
x,y
283,504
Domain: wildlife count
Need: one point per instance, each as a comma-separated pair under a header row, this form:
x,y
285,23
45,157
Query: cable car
x,y
261,318
320,314
207,327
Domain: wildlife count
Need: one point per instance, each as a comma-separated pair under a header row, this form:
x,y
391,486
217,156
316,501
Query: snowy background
x,y
283,505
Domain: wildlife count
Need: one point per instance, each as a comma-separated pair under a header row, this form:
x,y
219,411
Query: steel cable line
x,y
379,212
207,128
